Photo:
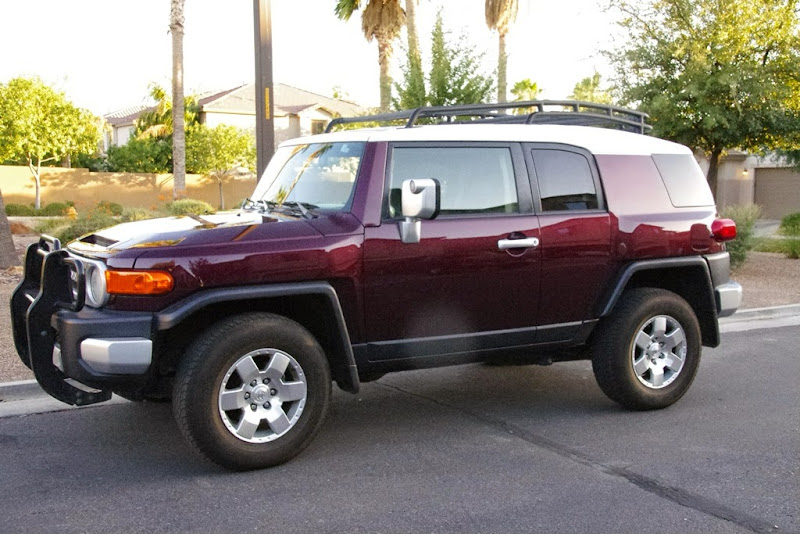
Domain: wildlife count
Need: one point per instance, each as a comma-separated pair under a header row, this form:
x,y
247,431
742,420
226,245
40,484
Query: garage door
x,y
777,192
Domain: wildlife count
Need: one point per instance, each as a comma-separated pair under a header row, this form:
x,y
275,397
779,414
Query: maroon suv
x,y
367,251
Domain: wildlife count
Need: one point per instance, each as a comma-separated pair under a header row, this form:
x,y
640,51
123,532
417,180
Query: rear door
x,y
575,237
458,287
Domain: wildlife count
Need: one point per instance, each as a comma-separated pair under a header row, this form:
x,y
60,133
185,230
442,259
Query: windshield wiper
x,y
291,207
304,208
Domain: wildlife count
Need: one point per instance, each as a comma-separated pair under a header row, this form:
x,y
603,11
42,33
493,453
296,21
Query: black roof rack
x,y
570,112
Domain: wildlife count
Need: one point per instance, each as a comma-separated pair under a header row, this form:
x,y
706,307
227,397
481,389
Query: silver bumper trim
x,y
118,356
729,298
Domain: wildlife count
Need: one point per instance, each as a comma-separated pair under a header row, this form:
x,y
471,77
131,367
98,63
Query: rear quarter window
x,y
686,185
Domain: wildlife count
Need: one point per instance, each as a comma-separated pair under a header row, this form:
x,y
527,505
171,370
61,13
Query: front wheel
x,y
645,356
253,391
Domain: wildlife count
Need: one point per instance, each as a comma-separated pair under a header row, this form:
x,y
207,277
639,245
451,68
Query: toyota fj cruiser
x,y
467,234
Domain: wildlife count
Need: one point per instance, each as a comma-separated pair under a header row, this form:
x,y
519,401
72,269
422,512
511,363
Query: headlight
x,y
96,294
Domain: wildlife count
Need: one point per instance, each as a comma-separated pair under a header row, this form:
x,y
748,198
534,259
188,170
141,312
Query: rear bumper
x,y
64,343
728,297
727,293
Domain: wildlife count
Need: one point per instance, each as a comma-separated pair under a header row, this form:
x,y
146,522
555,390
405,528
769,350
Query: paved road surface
x,y
464,449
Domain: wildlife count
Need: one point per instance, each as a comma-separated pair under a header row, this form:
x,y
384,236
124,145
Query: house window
x,y
317,127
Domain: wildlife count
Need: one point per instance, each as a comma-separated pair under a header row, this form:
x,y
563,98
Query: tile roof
x,y
125,116
288,100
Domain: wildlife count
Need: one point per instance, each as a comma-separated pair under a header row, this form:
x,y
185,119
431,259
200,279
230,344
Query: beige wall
x,y
86,188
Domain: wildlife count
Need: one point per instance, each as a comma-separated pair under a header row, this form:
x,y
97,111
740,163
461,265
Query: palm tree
x,y
381,20
176,19
500,14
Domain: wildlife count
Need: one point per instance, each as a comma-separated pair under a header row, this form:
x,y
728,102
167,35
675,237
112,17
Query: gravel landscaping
x,y
768,280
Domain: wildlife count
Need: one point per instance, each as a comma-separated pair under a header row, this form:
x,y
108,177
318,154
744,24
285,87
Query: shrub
x,y
790,225
50,226
95,221
109,208
54,209
744,217
20,210
792,247
136,214
188,206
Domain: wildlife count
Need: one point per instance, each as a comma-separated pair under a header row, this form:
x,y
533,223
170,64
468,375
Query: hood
x,y
186,230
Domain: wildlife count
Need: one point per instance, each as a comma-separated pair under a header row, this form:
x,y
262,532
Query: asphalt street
x,y
462,449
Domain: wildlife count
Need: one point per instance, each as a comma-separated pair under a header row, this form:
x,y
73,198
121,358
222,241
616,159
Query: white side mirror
x,y
421,199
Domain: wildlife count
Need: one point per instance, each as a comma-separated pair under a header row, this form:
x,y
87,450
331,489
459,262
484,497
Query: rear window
x,y
686,185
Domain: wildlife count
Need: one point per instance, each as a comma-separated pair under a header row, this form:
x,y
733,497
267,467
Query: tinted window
x,y
473,180
684,180
565,180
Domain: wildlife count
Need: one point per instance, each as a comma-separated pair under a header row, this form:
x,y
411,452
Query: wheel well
x,y
692,283
314,312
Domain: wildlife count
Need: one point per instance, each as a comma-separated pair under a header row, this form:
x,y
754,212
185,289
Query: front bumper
x,y
77,354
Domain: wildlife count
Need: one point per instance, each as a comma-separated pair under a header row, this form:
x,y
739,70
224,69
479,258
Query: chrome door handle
x,y
529,242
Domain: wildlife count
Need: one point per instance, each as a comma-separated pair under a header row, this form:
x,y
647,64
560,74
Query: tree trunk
x,y
221,195
411,27
713,168
502,59
8,254
37,179
384,58
178,127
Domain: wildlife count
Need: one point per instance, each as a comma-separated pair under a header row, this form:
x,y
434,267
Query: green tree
x,y
589,90
500,15
39,125
381,20
525,90
219,153
455,76
176,20
141,154
158,121
713,74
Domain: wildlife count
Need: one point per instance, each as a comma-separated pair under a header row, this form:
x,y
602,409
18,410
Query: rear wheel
x,y
253,391
645,356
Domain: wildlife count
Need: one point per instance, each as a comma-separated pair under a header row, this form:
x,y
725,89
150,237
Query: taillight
x,y
723,230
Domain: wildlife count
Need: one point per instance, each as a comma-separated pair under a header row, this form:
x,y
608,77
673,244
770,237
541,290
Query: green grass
x,y
790,246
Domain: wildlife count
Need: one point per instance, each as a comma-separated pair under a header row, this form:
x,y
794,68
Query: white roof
x,y
595,140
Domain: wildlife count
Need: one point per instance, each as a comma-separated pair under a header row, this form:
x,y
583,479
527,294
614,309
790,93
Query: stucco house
x,y
768,181
297,112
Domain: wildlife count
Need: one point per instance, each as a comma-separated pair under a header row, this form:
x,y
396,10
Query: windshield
x,y
317,175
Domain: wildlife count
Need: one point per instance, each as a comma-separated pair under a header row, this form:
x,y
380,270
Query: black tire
x,y
255,341
627,371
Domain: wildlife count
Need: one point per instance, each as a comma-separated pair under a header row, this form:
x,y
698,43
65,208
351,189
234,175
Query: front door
x,y
461,285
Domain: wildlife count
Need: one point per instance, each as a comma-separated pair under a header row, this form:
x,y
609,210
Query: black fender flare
x,y
181,310
702,301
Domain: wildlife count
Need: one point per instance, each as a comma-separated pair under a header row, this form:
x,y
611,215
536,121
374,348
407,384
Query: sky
x,y
104,53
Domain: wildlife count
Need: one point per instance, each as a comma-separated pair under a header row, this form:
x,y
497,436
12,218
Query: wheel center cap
x,y
653,349
260,393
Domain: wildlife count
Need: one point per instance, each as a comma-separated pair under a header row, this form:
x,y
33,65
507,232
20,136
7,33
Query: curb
x,y
30,389
757,314
20,390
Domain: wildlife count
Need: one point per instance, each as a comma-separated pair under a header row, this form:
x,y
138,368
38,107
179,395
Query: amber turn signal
x,y
138,282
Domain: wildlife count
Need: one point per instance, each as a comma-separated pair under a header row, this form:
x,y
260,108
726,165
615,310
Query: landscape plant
x,y
745,217
188,206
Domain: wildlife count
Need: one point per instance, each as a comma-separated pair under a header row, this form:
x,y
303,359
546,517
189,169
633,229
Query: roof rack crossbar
x,y
569,110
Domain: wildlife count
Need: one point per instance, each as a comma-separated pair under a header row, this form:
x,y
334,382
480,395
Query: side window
x,y
565,180
475,180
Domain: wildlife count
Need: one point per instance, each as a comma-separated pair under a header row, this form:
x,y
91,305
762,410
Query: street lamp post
x,y
265,130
